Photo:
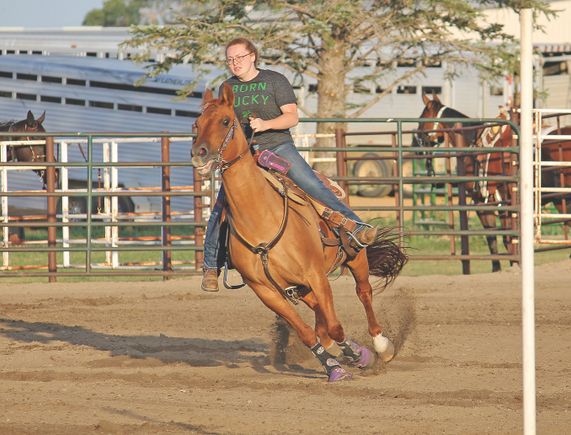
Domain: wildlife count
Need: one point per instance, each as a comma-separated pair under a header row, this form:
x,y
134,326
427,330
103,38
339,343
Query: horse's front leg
x,y
355,353
279,305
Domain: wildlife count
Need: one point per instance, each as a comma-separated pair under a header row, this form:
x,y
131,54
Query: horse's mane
x,y
5,125
470,135
449,112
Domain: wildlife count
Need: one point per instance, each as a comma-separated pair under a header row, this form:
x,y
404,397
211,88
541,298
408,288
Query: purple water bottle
x,y
271,160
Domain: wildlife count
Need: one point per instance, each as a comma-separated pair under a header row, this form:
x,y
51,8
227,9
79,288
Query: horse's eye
x,y
226,121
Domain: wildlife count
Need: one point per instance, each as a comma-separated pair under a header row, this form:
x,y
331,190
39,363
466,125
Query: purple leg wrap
x,y
357,354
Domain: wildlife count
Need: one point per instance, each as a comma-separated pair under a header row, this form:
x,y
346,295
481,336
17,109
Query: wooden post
x,y
341,160
166,187
450,197
50,188
198,229
397,171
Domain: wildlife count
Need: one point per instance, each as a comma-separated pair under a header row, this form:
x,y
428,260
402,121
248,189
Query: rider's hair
x,y
249,46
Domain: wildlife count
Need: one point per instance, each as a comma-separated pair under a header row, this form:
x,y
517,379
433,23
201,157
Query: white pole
x,y
106,200
526,186
4,201
114,204
64,175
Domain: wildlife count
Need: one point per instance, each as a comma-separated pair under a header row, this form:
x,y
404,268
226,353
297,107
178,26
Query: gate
x,y
98,224
556,170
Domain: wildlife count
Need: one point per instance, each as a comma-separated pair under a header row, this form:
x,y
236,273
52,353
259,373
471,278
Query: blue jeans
x,y
301,174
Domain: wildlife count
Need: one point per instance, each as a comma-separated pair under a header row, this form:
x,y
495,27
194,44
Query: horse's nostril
x,y
202,152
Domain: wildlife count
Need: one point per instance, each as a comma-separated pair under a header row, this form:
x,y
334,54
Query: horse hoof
x,y
366,358
384,347
339,374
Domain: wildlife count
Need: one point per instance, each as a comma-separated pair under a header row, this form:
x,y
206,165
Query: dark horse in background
x,y
430,134
35,153
26,153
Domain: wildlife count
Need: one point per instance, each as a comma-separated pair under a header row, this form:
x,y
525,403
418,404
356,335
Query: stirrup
x,y
353,235
226,280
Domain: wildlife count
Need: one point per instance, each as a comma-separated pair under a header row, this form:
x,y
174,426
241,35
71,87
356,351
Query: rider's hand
x,y
258,124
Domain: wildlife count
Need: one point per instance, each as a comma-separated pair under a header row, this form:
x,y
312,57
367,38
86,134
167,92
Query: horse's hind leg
x,y
279,305
359,268
488,220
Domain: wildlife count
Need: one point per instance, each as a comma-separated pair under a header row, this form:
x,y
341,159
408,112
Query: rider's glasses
x,y
237,59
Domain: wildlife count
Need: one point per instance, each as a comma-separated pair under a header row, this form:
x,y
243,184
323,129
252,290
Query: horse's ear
x,y
435,98
425,99
227,96
30,117
41,118
207,96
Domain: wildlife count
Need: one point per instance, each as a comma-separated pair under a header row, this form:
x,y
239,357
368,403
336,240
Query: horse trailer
x,y
85,94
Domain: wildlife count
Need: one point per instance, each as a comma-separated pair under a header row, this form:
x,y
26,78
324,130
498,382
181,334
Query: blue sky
x,y
45,13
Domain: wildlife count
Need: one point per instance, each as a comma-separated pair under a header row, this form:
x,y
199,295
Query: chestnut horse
x,y
276,244
431,134
557,150
26,153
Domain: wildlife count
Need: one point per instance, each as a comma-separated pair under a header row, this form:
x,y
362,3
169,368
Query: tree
x,y
121,13
329,39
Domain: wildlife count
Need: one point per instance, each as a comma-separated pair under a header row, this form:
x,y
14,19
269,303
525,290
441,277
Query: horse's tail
x,y
386,256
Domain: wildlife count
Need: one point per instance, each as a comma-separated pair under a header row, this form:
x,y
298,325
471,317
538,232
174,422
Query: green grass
x,y
454,267
425,245
416,245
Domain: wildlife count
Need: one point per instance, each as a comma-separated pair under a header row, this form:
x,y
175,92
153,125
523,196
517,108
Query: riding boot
x,y
210,280
364,235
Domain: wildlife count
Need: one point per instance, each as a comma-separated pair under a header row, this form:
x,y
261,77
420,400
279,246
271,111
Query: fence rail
x,y
419,207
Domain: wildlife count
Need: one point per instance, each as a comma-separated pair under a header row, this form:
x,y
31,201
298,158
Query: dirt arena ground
x,y
166,358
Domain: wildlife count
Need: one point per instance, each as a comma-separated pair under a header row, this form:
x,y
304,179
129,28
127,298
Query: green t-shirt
x,y
262,98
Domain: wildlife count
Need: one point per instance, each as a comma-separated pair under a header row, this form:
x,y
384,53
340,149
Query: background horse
x,y
276,244
557,150
431,134
27,153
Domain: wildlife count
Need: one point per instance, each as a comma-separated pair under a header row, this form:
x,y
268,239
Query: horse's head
x,y
31,153
29,125
217,126
425,135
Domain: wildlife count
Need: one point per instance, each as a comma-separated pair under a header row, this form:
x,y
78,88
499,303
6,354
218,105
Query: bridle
x,y
433,138
221,164
35,157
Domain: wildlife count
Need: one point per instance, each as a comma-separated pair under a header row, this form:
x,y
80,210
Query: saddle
x,y
331,220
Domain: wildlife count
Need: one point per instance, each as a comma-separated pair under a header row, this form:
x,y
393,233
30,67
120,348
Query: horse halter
x,y
35,157
433,138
